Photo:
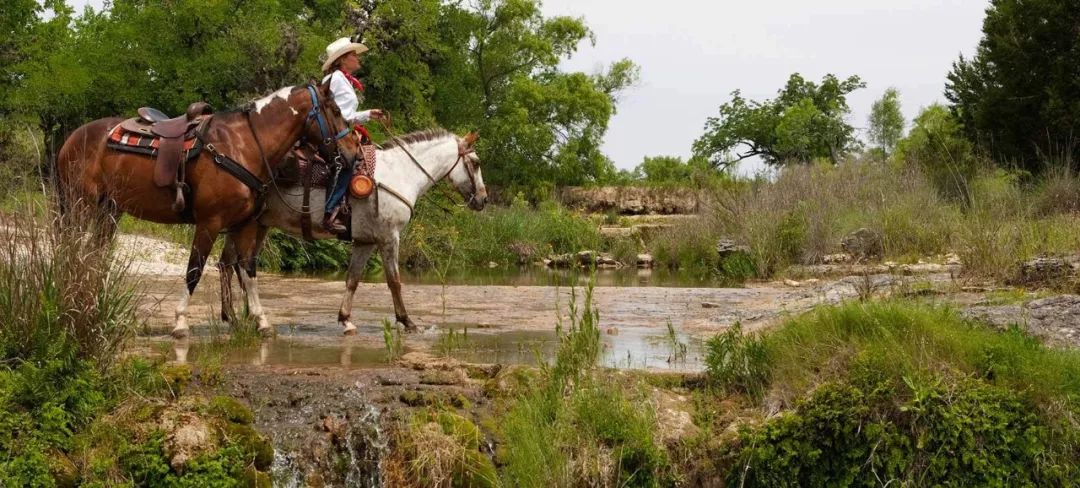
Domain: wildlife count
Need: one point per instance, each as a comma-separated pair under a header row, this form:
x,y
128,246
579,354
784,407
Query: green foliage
x,y
737,363
287,253
886,121
803,123
904,392
147,465
937,145
576,425
1018,96
961,432
509,236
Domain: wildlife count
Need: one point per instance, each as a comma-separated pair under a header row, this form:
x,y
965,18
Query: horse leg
x,y
227,267
247,241
393,281
205,235
360,255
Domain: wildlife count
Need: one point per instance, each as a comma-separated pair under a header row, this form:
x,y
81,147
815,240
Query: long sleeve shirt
x,y
346,99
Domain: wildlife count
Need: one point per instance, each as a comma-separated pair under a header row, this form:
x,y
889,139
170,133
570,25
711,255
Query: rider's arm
x,y
346,100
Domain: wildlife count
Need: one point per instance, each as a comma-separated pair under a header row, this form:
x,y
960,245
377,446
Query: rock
x,y
560,261
951,259
436,377
728,247
631,200
1045,271
191,438
709,305
792,283
839,258
492,265
864,245
1055,320
612,331
644,260
611,232
587,258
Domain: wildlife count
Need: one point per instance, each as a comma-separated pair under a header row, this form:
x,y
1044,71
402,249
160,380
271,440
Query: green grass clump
x,y
509,236
904,392
576,425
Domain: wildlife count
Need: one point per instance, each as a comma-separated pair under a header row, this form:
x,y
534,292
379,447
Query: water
x,y
538,276
623,348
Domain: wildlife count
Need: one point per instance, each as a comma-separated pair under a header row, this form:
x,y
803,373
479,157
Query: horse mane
x,y
416,137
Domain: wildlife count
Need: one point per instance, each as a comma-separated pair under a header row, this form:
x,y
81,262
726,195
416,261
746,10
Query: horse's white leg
x,y
360,255
393,281
248,242
200,250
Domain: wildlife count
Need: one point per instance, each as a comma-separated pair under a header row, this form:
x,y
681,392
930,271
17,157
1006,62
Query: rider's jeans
x,y
340,187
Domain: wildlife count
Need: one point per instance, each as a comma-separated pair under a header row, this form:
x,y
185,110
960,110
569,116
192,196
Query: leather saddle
x,y
163,137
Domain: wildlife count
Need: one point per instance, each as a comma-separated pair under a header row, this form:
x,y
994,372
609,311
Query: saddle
x,y
170,141
308,170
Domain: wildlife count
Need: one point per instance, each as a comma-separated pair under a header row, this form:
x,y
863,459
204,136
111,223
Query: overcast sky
x,y
694,53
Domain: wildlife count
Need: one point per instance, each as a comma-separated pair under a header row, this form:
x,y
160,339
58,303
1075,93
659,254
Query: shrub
x,y
736,362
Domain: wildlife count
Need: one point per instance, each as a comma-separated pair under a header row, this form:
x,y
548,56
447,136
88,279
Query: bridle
x,y
463,156
327,141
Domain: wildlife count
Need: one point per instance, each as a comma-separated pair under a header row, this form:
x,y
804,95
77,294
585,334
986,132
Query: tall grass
x,y
804,213
580,426
63,295
508,236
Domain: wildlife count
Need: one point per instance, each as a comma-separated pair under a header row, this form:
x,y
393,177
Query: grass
x,y
943,399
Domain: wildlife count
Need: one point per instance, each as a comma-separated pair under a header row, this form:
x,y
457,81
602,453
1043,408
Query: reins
x,y
462,155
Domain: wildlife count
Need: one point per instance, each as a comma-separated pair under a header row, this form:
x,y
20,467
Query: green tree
x,y
887,121
1019,96
804,122
492,66
663,169
937,144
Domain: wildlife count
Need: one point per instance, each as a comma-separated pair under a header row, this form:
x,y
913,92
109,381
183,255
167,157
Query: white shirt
x,y
346,99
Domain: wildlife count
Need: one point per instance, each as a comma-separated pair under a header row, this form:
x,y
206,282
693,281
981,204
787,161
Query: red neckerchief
x,y
352,79
359,87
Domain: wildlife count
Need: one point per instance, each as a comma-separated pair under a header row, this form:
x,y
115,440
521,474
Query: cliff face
x,y
630,200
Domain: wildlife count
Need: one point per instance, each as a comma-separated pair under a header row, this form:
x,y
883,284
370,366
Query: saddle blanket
x,y
125,140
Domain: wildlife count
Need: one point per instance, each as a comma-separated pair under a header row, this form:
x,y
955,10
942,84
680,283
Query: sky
x,y
694,53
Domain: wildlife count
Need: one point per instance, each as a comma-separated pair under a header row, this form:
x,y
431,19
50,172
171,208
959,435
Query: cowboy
x,y
342,60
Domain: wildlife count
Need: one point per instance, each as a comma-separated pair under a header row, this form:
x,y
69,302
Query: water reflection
x,y
630,348
540,276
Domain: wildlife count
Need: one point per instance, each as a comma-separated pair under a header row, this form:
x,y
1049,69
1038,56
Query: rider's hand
x,y
378,114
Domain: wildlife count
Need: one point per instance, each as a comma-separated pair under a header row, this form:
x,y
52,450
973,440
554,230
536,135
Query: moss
x,y
459,401
251,444
177,377
232,410
254,478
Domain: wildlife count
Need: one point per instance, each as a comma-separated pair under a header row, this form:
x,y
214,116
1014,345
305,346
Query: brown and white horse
x,y
256,138
407,168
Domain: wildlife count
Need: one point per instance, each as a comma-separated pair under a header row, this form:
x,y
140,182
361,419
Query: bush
x,y
904,392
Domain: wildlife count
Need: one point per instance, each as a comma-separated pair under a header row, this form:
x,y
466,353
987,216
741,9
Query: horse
x,y
407,168
226,183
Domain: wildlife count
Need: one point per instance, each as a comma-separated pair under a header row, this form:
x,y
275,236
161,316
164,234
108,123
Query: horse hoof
x,y
350,329
180,333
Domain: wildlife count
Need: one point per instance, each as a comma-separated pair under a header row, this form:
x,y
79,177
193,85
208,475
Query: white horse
x,y
407,167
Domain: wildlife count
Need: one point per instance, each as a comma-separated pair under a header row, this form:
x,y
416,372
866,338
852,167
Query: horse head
x,y
466,175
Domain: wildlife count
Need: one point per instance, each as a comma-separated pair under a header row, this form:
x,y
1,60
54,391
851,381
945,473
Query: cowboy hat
x,y
340,48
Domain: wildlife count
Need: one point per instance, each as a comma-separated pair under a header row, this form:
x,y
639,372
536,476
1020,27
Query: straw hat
x,y
340,48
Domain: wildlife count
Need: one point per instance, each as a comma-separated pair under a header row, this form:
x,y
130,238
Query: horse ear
x,y
470,139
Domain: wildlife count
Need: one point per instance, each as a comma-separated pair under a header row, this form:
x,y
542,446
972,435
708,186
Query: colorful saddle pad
x,y
125,140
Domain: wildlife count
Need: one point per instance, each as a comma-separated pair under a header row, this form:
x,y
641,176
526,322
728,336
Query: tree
x,y
887,121
1019,96
805,121
937,145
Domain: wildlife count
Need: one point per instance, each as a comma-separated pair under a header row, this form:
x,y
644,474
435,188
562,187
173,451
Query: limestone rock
x,y
864,245
1045,271
644,260
728,247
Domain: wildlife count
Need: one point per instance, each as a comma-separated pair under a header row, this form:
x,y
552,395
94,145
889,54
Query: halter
x,y
316,113
463,154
